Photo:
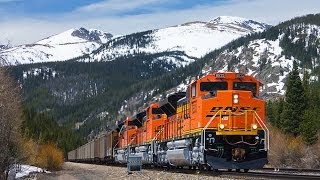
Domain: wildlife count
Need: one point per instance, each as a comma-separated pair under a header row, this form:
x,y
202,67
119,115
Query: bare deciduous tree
x,y
10,122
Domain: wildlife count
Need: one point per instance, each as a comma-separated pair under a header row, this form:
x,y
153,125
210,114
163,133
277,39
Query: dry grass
x,y
289,151
311,157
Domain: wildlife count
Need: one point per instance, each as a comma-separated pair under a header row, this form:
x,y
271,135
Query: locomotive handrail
x,y
204,130
266,131
156,136
114,148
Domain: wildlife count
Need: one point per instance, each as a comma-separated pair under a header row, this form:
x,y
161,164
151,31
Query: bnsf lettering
x,y
215,109
234,109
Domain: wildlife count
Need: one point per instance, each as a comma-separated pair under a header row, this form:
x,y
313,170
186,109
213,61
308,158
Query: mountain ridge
x,y
195,39
94,45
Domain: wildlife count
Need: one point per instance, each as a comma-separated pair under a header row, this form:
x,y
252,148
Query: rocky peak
x,y
238,21
92,35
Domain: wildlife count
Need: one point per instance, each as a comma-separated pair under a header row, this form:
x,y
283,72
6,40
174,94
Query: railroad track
x,y
292,169
266,173
270,175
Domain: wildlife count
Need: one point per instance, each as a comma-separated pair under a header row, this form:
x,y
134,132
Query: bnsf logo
x,y
234,109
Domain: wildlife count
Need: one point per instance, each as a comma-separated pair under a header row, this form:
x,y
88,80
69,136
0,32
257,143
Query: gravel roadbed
x,y
78,171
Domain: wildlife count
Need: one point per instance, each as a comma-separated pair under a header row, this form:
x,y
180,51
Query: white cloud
x,y
118,6
27,30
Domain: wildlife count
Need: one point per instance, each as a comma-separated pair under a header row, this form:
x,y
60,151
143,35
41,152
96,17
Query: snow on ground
x,y
27,169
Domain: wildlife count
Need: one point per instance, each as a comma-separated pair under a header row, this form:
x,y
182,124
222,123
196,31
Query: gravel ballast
x,y
78,171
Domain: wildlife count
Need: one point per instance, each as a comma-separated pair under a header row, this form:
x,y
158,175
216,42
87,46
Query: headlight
x,y
221,126
235,98
254,126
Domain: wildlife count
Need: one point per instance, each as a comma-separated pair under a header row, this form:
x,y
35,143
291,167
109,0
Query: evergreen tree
x,y
306,86
278,112
270,111
308,127
295,102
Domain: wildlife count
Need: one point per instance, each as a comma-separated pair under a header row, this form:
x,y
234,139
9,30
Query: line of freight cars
x,y
98,150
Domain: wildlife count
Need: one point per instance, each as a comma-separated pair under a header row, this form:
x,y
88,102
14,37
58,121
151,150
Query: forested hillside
x,y
79,92
96,93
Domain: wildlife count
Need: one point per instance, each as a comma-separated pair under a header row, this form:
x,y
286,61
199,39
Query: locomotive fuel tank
x,y
142,151
179,153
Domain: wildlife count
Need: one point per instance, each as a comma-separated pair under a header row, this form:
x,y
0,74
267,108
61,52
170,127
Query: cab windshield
x,y
213,86
246,86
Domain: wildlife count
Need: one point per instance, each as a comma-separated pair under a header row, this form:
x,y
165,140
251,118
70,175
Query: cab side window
x,y
193,90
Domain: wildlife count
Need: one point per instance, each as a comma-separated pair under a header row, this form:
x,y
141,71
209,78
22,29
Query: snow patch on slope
x,y
195,39
61,47
265,59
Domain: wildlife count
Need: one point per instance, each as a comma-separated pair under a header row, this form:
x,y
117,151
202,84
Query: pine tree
x,y
306,86
278,112
295,102
308,127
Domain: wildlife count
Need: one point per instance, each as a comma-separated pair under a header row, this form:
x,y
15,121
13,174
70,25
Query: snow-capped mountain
x,y
64,46
195,39
270,57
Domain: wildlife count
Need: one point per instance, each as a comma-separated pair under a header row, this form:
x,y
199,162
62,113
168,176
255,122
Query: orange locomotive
x,y
217,124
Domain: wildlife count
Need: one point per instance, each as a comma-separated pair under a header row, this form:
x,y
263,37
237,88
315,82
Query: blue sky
x,y
43,6
27,21
50,7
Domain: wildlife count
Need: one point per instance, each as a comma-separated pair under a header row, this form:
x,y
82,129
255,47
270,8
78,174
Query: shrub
x,y
50,157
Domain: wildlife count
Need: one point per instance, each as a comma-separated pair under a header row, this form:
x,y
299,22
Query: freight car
x,y
98,150
218,123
